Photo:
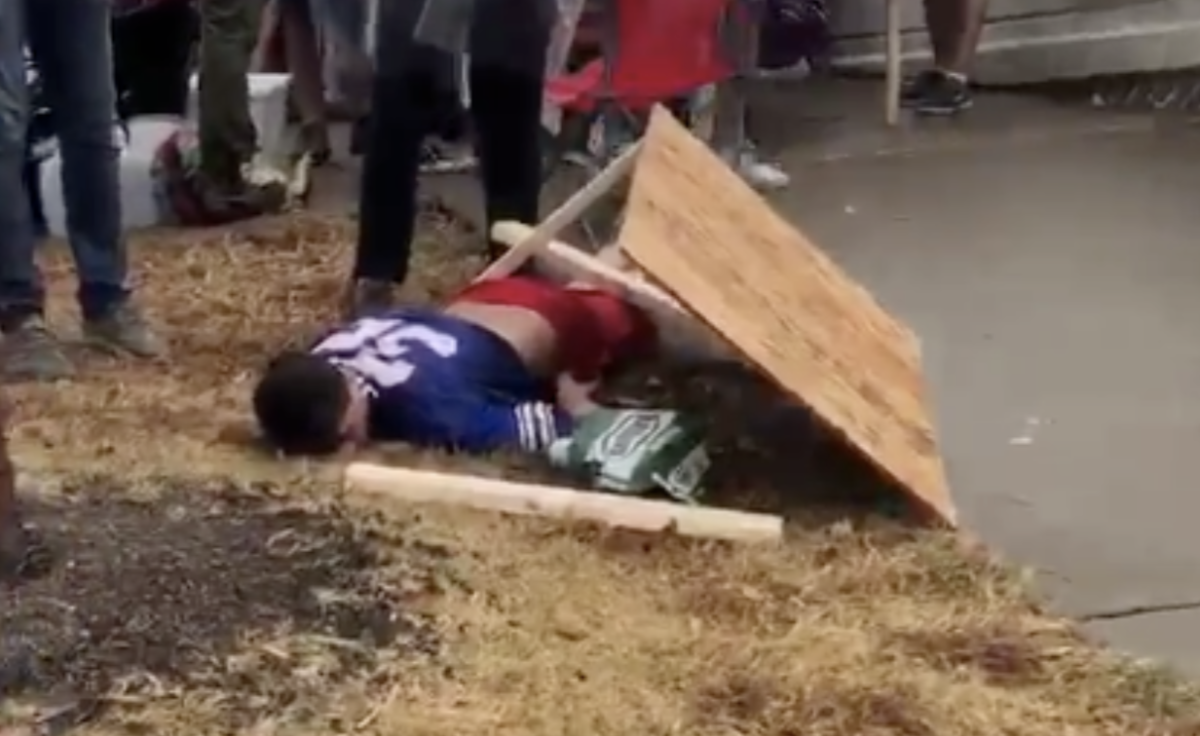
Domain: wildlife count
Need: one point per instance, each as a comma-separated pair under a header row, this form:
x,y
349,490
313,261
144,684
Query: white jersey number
x,y
375,348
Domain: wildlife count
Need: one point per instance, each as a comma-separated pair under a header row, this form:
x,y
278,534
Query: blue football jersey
x,y
435,380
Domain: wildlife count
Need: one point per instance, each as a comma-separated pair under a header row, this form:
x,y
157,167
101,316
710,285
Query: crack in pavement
x,y
1148,609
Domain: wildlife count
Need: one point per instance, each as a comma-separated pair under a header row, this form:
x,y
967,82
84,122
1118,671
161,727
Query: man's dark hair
x,y
299,402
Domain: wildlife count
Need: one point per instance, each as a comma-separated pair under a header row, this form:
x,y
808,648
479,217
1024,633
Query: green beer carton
x,y
635,451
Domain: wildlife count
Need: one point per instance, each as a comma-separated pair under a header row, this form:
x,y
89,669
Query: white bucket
x,y
139,207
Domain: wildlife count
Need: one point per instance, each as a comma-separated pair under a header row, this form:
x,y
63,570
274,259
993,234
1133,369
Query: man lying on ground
x,y
506,364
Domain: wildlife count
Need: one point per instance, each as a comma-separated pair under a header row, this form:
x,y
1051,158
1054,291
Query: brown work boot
x,y
123,330
367,297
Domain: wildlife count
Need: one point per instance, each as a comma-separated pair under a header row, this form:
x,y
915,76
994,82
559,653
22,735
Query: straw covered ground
x,y
202,587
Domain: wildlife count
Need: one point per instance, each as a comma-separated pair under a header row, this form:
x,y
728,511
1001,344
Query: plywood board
x,y
695,227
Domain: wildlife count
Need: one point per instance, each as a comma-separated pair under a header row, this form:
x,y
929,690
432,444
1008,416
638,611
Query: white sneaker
x,y
760,174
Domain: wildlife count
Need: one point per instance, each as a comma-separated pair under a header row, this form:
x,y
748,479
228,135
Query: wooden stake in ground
x,y
421,486
891,86
702,233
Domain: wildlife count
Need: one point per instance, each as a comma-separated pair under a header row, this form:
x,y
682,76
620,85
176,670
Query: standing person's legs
x,y
955,27
228,140
21,294
303,59
402,101
228,30
731,133
957,53
441,153
347,68
506,109
70,42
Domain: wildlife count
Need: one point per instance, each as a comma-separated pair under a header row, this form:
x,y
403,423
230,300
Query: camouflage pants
x,y
228,32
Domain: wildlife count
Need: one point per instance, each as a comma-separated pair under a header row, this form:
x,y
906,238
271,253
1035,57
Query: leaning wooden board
x,y
696,228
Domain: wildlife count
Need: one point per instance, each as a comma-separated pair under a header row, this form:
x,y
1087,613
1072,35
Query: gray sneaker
x,y
123,330
32,353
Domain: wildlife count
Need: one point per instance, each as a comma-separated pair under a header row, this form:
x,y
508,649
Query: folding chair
x,y
654,51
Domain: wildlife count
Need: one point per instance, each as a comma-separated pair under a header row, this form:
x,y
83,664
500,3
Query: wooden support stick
x,y
567,213
420,486
892,84
585,266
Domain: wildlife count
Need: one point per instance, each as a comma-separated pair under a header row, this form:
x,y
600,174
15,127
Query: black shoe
x,y
943,95
916,87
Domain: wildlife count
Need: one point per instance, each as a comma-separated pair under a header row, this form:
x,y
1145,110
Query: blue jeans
x,y
69,41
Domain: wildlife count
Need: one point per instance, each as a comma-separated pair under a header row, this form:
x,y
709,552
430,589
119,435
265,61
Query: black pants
x,y
505,117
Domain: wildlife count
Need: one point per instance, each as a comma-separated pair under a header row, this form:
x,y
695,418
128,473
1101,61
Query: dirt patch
x,y
999,654
755,706
213,587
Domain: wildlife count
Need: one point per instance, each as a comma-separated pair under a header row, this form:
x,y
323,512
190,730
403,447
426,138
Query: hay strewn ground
x,y
858,626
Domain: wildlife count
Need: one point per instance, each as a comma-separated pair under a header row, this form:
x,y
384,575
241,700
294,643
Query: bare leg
x,y
960,51
939,21
304,62
954,30
266,57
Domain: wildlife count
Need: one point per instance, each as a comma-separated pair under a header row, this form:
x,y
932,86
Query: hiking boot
x,y
367,297
941,95
32,353
123,330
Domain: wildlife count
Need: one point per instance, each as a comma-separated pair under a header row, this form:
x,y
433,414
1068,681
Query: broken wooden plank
x,y
582,265
699,231
563,217
489,494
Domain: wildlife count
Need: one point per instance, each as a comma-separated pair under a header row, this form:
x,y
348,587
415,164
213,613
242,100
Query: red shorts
x,y
595,329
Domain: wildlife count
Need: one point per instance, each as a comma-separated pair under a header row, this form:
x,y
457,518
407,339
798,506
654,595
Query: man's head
x,y
307,406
